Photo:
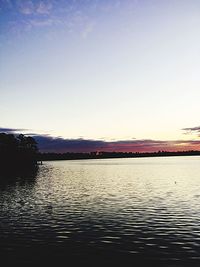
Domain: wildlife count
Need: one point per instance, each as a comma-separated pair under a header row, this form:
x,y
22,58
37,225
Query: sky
x,y
84,75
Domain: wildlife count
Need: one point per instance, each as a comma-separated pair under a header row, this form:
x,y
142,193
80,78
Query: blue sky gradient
x,y
101,70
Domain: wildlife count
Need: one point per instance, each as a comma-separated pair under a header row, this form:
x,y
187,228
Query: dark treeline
x,y
17,151
102,155
21,151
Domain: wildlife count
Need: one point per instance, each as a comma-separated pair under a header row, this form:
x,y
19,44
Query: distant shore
x,y
107,155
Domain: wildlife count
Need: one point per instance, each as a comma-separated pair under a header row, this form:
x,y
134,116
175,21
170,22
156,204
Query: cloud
x,y
11,130
41,22
51,19
192,130
44,8
26,7
57,144
48,143
29,7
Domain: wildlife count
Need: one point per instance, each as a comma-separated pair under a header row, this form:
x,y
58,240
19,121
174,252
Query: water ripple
x,y
124,207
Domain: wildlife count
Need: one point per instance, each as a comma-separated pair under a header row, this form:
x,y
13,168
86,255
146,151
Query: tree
x,y
17,151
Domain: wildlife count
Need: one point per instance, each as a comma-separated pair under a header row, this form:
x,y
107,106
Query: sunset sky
x,y
84,75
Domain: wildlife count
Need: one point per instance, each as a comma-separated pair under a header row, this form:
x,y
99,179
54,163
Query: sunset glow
x,y
124,73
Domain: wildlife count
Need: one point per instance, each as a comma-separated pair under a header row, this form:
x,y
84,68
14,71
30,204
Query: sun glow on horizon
x,y
101,70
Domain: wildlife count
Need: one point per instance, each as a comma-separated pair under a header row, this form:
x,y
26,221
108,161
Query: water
x,y
110,211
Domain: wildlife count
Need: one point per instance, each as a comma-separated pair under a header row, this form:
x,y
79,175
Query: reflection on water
x,y
10,177
116,211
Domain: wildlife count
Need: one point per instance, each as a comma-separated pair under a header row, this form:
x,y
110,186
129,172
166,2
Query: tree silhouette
x,y
27,143
20,151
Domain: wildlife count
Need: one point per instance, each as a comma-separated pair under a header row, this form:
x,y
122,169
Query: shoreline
x,y
111,155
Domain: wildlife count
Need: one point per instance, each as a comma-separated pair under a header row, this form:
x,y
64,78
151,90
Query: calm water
x,y
127,212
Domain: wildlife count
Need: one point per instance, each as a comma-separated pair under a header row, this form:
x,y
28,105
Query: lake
x,y
124,212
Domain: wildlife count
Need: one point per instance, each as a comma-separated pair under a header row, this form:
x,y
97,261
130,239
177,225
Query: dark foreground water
x,y
112,212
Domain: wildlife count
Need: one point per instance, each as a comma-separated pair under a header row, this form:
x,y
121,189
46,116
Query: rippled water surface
x,y
118,211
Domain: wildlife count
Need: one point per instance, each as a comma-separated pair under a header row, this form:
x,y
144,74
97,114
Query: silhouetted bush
x,y
17,151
